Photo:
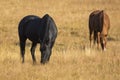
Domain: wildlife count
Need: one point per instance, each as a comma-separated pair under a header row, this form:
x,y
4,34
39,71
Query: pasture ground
x,y
72,59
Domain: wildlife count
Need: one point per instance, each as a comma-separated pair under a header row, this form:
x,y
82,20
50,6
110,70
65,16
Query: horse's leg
x,y
98,40
95,37
22,49
33,51
91,37
105,42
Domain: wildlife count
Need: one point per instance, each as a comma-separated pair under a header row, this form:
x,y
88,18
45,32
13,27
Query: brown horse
x,y
99,25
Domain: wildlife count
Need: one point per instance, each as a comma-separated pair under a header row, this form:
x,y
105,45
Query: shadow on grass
x,y
111,39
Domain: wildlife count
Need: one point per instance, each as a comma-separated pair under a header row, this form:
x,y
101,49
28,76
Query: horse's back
x,y
50,27
106,24
25,21
94,20
26,28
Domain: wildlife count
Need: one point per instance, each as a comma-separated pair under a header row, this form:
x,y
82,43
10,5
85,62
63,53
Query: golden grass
x,y
72,59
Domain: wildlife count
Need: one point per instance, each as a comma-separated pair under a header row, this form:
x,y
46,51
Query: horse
x,y
99,25
38,30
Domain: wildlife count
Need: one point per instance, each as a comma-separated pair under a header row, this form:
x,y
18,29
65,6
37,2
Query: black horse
x,y
38,30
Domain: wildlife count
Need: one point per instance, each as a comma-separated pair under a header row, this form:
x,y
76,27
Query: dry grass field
x,y
72,59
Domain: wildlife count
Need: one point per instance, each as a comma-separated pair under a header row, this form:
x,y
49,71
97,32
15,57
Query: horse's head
x,y
45,53
103,41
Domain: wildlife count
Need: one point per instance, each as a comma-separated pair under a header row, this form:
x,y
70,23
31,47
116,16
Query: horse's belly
x,y
33,37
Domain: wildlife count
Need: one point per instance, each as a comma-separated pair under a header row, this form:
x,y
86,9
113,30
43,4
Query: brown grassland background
x,y
72,59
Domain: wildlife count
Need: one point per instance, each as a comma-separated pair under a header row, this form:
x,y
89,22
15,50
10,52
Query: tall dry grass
x,y
72,59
